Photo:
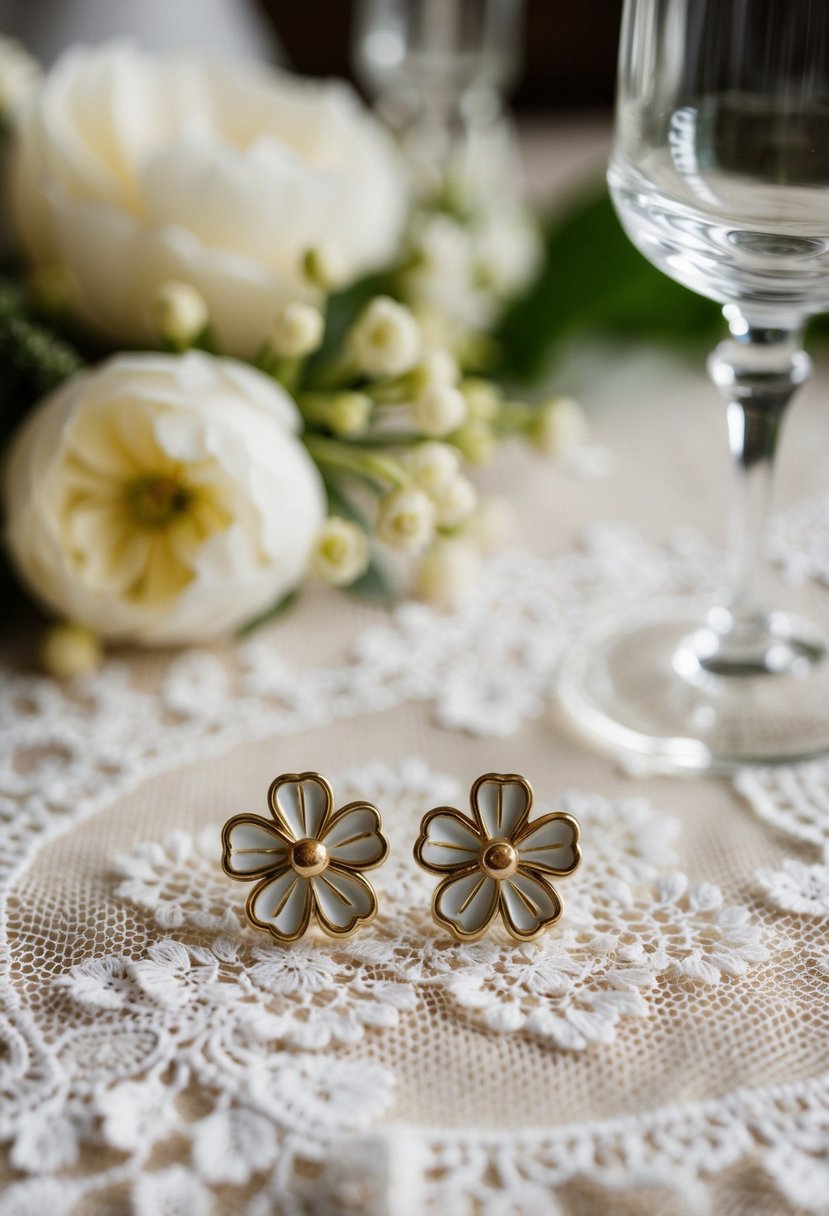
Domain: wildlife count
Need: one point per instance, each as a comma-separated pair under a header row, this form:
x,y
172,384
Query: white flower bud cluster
x,y
559,426
297,331
438,410
385,339
339,554
406,519
180,313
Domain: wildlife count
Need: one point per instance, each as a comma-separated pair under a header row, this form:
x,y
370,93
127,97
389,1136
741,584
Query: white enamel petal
x,y
303,806
467,902
501,806
551,845
342,899
450,843
251,847
354,837
283,904
528,903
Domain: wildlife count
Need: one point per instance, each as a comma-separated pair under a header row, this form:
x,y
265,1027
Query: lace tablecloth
x,y
664,1050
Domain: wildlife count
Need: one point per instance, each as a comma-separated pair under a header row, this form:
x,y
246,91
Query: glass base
x,y
661,686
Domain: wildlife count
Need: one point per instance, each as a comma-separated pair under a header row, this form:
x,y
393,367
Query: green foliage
x,y
376,583
594,281
33,359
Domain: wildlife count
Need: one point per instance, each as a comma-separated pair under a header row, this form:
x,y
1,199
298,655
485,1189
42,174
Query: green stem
x,y
349,458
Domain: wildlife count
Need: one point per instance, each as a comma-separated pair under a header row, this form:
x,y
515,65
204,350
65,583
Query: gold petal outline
x,y
455,930
282,938
341,814
543,925
500,779
540,867
322,920
257,821
423,839
297,779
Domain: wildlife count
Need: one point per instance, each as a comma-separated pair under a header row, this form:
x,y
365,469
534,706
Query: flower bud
x,y
297,331
385,338
69,650
180,313
454,502
559,426
437,366
476,441
19,75
450,567
433,465
483,398
438,410
350,414
492,524
323,268
406,519
340,552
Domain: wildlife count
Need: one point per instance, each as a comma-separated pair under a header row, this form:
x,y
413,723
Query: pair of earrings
x,y
308,860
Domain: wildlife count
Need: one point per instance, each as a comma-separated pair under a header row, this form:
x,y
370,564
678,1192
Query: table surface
x,y
665,1049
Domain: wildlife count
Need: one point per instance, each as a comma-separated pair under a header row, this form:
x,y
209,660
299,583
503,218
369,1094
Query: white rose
x,y
19,74
131,169
162,498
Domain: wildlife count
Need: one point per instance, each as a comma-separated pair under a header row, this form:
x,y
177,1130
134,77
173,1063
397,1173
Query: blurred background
x,y
569,51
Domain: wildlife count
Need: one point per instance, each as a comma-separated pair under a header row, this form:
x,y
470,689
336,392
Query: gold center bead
x,y
309,858
499,859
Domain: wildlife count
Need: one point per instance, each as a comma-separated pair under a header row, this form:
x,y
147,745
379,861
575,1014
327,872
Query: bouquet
x,y
225,363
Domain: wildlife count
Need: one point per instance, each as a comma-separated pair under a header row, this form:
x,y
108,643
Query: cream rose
x,y
162,498
132,169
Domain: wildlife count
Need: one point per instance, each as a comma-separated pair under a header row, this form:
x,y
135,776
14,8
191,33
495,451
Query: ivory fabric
x,y
663,1050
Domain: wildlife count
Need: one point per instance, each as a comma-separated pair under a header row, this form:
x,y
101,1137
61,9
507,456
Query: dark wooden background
x,y
569,52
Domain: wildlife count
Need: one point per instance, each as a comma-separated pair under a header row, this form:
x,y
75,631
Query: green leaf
x,y
270,614
594,280
376,583
341,310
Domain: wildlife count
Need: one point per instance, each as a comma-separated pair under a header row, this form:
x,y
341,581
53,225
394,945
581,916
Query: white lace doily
x,y
664,1050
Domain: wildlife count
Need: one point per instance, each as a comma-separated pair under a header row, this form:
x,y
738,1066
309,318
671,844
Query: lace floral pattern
x,y
795,801
207,1060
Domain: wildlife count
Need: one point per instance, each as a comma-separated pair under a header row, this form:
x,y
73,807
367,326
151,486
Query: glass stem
x,y
758,370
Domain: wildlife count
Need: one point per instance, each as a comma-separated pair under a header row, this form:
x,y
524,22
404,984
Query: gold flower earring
x,y
306,858
497,861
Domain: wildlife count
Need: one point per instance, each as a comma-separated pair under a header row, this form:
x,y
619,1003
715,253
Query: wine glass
x,y
720,176
439,70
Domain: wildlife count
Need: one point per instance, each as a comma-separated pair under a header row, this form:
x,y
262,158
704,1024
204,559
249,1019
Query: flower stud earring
x,y
497,861
307,860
